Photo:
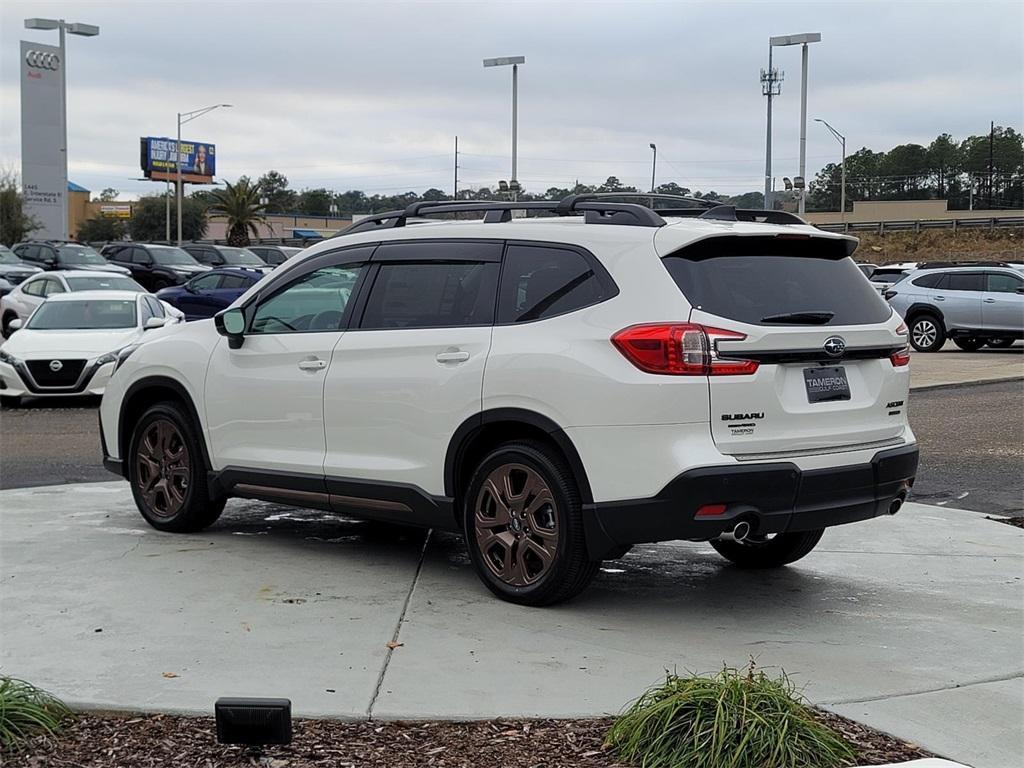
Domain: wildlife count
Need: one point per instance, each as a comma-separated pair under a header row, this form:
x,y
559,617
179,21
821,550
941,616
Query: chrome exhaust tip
x,y
737,534
896,504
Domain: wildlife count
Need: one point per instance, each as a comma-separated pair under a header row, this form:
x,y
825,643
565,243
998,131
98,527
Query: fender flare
x,y
164,382
468,429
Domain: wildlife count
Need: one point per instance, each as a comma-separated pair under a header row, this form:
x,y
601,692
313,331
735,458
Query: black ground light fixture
x,y
253,722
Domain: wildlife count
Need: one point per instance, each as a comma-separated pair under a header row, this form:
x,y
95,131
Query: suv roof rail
x,y
594,212
942,264
699,203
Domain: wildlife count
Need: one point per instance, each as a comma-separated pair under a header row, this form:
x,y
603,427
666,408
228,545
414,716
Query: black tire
x,y
781,550
569,569
8,401
5,325
970,343
927,333
1001,343
181,507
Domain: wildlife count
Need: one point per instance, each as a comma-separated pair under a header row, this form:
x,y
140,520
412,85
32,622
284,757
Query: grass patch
x,y
735,719
27,711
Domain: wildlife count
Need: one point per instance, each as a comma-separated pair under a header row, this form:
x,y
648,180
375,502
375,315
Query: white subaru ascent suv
x,y
557,387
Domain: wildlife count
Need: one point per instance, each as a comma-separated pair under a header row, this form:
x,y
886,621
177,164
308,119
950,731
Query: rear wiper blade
x,y
802,318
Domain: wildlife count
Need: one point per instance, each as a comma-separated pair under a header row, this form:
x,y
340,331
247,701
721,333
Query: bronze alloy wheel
x,y
162,468
516,524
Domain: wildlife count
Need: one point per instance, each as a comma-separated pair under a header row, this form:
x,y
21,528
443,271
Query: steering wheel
x,y
328,320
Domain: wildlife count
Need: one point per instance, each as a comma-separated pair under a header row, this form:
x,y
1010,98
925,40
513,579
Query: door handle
x,y
312,365
990,301
452,357
940,298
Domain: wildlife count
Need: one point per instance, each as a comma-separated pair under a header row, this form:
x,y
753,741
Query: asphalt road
x,y
972,446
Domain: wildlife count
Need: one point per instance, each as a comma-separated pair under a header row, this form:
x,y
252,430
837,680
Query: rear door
x,y
1002,306
821,335
960,299
410,372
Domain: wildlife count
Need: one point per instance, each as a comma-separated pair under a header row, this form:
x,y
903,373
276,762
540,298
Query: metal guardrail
x,y
881,227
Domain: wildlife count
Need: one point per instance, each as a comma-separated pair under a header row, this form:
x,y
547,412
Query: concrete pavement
x,y
951,366
909,623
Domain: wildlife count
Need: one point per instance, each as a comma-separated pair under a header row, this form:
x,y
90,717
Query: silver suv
x,y
973,305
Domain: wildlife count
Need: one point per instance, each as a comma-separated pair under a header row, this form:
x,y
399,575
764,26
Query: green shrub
x,y
27,711
735,719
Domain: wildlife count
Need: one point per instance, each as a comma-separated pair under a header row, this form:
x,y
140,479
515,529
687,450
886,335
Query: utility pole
x,y
771,86
455,187
803,130
991,166
654,165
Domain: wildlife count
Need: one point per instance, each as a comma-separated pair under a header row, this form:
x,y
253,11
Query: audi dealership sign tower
x,y
44,170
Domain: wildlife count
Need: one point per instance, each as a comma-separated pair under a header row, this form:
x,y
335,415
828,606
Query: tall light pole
x,y
514,61
83,30
771,86
185,117
842,186
802,40
654,164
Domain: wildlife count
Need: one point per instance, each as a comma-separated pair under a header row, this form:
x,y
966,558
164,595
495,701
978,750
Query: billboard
x,y
158,159
43,170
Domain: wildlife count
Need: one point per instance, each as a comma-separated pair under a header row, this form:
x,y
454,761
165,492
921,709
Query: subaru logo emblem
x,y
56,365
834,346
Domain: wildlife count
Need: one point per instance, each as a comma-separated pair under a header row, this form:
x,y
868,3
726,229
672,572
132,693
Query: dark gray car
x,y
13,270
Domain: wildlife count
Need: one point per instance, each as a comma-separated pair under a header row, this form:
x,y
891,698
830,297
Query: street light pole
x,y
83,30
803,127
185,117
842,186
654,164
514,61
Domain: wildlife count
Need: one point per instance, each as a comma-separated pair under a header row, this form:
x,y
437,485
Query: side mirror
x,y
154,322
231,323
15,324
190,288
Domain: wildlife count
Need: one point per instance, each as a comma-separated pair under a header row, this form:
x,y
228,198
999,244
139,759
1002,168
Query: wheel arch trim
x,y
471,427
157,382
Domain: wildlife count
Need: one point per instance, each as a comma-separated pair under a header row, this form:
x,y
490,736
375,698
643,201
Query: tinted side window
x,y
35,287
929,281
1000,282
234,282
155,306
432,295
966,281
206,282
147,311
140,256
314,302
53,287
539,282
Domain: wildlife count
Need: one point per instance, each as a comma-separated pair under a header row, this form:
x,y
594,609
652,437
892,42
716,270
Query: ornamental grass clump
x,y
735,719
27,711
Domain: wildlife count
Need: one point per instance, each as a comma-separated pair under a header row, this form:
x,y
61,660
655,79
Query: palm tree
x,y
240,204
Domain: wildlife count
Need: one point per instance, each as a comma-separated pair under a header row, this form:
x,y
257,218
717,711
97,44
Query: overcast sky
x,y
370,95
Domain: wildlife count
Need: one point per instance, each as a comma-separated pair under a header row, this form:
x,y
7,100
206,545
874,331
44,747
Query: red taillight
x,y
900,357
711,510
680,349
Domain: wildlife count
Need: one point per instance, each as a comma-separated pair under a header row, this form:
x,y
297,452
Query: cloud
x,y
371,95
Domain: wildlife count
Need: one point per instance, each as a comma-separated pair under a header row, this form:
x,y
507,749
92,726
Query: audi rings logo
x,y
43,60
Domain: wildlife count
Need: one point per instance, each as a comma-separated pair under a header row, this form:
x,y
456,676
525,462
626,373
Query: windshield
x,y
80,254
112,283
170,255
765,281
94,314
241,256
7,256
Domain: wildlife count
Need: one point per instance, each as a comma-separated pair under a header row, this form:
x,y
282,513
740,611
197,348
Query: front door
x,y
1002,307
264,400
411,371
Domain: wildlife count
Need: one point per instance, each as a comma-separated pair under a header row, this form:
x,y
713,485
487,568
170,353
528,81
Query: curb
x,y
955,384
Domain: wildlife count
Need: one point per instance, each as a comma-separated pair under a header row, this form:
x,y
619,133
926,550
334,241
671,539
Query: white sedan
x,y
21,302
72,343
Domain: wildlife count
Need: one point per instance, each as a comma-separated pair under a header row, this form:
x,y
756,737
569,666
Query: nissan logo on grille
x,y
56,365
834,346
43,60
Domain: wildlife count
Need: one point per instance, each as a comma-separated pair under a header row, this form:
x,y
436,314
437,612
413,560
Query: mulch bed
x,y
1016,522
182,742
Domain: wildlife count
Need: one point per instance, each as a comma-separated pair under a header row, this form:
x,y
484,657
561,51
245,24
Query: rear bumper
x,y
773,498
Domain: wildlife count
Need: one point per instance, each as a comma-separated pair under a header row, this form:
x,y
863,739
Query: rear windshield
x,y
767,281
112,283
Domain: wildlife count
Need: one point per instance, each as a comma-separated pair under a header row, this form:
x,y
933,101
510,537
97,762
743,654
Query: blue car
x,y
207,294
